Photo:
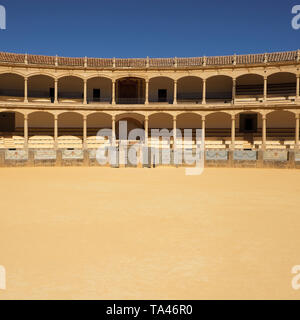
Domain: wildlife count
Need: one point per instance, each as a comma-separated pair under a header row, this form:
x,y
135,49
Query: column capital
x,y
146,118
264,117
297,76
25,116
56,117
56,80
233,117
175,117
297,116
113,117
84,117
85,80
203,118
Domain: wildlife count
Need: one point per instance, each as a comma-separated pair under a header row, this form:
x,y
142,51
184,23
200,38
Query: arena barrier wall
x,y
151,159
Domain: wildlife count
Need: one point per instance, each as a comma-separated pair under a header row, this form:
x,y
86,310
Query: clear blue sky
x,y
155,28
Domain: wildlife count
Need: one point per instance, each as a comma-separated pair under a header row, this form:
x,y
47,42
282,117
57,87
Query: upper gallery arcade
x,y
258,80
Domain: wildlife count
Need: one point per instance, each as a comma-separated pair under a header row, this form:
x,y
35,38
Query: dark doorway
x,y
96,95
248,123
51,94
162,95
7,122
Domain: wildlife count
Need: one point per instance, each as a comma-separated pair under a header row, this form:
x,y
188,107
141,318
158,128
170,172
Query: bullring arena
x,y
71,229
247,103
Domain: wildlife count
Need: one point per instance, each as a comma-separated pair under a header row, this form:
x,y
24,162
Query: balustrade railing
x,y
102,63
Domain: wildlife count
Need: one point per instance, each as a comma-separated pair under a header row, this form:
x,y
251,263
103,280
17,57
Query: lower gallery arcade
x,y
264,129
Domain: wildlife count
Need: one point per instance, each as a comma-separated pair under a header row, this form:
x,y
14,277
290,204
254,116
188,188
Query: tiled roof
x,y
287,56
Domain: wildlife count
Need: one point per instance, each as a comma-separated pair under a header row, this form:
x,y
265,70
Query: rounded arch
x,y
219,88
72,75
131,76
281,119
271,73
160,120
131,124
249,86
97,75
281,84
219,120
11,86
99,89
130,90
13,72
70,123
97,121
12,123
161,76
41,88
134,115
251,75
40,123
70,87
39,73
161,89
189,89
189,120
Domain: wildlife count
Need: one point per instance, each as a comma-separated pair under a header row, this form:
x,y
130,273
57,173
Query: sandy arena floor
x,y
77,233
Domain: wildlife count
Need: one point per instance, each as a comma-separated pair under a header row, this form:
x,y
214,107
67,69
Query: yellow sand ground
x,y
76,233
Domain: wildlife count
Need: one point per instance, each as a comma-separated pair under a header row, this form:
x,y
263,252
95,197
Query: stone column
x,y
203,129
84,91
147,92
265,88
56,131
175,92
174,131
146,125
233,90
298,86
56,91
113,129
232,132
204,92
264,131
113,93
297,132
26,131
25,89
84,131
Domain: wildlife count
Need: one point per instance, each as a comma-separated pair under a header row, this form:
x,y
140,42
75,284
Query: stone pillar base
x,y
86,158
291,159
30,162
58,158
